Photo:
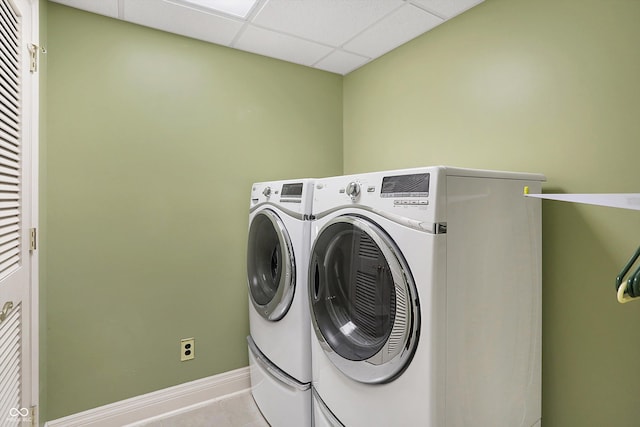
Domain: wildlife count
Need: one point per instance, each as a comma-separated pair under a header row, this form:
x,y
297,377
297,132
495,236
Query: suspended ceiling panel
x,y
338,36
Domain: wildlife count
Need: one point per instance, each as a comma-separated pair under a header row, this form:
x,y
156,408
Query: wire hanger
x,y
629,289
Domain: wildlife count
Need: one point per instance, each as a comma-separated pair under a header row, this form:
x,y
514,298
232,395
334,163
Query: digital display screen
x,y
292,190
416,185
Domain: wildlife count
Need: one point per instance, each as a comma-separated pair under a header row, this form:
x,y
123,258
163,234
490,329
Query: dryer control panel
x,y
406,190
404,195
401,186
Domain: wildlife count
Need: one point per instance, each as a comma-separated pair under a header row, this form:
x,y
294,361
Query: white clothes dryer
x,y
277,262
425,299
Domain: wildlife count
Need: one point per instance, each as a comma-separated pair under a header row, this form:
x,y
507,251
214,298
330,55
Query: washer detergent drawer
x,y
282,400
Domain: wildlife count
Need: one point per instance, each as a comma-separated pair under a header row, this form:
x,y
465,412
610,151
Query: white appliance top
x,y
404,195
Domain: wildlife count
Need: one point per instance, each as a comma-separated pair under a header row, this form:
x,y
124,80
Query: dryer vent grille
x,y
396,340
375,306
367,247
366,303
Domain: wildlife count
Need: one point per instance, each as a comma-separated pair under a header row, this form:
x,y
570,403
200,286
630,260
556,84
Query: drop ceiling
x,y
338,36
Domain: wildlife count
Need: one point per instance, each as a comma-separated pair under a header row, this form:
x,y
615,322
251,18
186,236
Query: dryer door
x,y
270,265
363,300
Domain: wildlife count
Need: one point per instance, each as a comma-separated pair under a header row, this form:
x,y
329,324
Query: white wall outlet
x,y
187,349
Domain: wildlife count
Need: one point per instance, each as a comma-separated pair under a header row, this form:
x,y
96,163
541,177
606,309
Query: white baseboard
x,y
155,404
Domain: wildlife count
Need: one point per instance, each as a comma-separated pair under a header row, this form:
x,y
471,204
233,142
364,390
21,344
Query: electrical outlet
x,y
187,349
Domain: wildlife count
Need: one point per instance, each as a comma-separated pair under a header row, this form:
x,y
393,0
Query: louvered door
x,y
18,103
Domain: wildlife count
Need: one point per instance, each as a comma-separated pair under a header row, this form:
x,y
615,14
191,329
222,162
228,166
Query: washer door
x,y
270,266
363,300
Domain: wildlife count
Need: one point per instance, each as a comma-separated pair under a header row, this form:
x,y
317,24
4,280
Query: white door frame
x,y
34,160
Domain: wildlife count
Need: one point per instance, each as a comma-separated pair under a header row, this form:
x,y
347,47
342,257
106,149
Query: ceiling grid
x,y
338,36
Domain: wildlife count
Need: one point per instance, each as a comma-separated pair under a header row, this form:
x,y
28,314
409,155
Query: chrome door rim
x,y
278,306
391,360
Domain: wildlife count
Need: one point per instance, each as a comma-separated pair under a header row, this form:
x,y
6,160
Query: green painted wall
x,y
153,141
42,215
547,86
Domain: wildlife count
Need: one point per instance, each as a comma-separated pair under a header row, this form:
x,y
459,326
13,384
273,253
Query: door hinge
x,y
34,419
33,57
33,239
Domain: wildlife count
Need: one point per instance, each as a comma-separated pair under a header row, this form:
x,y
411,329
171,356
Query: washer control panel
x,y
292,195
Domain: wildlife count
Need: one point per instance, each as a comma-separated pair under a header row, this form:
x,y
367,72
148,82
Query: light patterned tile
x,y
238,410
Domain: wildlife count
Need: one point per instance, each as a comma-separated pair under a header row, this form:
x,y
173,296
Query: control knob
x,y
267,191
353,190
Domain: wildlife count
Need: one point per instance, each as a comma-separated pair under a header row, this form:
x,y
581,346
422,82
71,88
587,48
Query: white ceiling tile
x,y
300,31
331,22
182,20
236,8
105,7
447,8
397,29
280,46
341,62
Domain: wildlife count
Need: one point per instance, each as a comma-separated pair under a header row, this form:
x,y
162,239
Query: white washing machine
x,y
277,262
425,299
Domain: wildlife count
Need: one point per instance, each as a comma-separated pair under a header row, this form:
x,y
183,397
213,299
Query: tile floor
x,y
235,410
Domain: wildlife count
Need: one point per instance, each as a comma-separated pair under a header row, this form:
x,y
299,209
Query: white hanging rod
x,y
613,200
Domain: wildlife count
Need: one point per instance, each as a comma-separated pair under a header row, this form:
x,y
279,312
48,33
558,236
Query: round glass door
x,y
363,300
270,266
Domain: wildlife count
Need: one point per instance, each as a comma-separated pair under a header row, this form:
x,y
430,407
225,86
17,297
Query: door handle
x,y
6,309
